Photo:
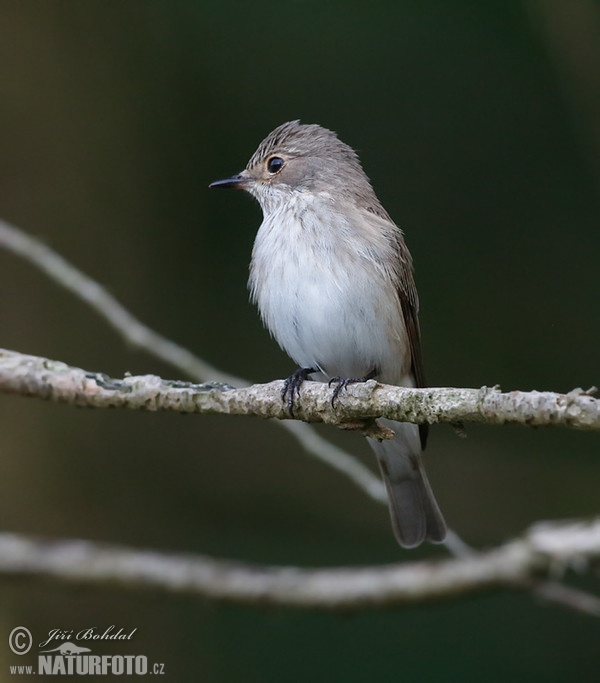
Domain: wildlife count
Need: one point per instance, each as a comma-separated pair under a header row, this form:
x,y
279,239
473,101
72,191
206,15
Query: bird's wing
x,y
409,300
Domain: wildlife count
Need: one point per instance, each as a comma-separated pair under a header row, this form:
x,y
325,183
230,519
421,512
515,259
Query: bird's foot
x,y
343,382
291,387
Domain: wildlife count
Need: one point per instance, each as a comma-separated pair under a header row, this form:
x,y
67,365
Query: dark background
x,y
478,124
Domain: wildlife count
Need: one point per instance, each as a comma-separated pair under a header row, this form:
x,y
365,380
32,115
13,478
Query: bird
x,y
334,284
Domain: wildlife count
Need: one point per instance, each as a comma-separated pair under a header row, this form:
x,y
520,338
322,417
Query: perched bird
x,y
333,280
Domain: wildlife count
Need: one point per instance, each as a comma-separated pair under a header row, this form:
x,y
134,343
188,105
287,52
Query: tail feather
x,y
415,514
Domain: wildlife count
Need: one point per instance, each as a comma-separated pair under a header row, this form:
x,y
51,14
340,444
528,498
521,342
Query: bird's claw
x,y
291,387
340,384
343,383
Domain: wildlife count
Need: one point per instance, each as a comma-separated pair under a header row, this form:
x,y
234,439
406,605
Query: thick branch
x,y
541,552
356,408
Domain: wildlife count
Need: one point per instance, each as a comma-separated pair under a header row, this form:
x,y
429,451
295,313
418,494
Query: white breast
x,y
324,294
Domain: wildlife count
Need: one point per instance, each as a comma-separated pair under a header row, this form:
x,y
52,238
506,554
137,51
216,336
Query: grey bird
x,y
333,280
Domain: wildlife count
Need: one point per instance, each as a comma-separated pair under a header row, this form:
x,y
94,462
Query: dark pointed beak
x,y
236,182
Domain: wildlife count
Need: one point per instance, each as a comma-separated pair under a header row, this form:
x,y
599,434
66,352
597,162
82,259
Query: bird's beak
x,y
236,181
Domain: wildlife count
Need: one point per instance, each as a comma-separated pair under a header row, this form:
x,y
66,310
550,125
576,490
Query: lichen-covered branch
x,y
543,551
355,408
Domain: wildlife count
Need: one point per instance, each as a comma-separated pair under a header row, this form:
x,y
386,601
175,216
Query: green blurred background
x,y
479,125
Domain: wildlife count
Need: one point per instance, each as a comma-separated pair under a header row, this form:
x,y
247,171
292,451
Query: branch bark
x,y
543,551
355,409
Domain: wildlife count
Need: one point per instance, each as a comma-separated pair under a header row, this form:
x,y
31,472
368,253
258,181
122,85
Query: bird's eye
x,y
275,164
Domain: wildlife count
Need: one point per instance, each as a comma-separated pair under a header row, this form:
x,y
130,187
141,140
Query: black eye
x,y
275,164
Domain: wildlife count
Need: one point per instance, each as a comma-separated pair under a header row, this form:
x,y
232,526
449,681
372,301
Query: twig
x,y
568,597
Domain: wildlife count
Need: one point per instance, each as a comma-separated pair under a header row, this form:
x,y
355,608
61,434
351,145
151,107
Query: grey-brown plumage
x,y
334,284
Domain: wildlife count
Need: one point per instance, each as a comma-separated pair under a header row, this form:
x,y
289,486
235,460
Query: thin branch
x,y
541,552
570,598
355,409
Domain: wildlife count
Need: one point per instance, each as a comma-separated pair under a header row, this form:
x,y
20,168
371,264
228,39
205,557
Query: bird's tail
x,y
415,514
